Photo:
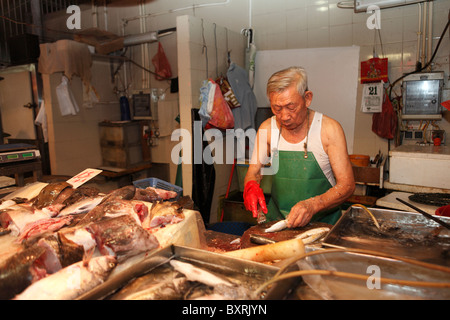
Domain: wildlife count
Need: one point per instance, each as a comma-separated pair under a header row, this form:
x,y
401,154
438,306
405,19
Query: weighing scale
x,y
18,152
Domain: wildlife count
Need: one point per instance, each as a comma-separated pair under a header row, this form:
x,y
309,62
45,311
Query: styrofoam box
x,y
427,166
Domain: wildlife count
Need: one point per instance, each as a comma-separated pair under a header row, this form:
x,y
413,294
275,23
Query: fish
x,y
78,236
280,225
82,206
124,193
258,239
122,237
186,202
61,252
70,282
51,256
80,194
117,207
17,217
312,235
50,193
39,227
148,194
20,270
163,213
98,212
194,273
6,204
163,283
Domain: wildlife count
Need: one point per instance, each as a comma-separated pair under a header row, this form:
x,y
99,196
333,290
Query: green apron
x,y
298,179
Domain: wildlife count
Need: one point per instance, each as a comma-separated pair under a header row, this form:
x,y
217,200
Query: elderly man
x,y
313,173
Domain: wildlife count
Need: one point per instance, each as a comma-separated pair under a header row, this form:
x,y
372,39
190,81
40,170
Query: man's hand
x,y
254,195
300,214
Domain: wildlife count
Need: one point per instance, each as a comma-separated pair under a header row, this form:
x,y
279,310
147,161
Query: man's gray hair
x,y
283,79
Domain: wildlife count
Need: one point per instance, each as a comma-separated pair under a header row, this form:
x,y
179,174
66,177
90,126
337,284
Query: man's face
x,y
290,107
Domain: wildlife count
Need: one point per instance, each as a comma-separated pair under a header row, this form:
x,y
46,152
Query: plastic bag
x,y
221,116
384,123
162,66
228,93
206,98
66,100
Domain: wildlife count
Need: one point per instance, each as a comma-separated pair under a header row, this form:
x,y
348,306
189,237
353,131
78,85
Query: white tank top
x,y
314,145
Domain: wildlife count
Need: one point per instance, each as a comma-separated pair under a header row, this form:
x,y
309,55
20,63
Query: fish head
x,y
103,265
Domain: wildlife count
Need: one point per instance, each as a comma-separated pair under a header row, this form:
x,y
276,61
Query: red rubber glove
x,y
254,195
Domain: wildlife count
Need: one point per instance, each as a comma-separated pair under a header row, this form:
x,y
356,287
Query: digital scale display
x,y
17,152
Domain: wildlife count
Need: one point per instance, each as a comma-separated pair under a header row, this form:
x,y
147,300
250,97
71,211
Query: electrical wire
x,y
35,26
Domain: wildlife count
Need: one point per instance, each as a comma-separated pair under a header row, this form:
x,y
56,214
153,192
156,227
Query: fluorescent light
x,y
362,5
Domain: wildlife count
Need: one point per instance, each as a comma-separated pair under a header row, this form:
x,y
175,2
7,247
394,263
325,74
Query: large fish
x,y
122,237
194,273
70,282
51,192
117,207
40,227
125,193
80,194
60,251
20,270
163,283
18,216
82,206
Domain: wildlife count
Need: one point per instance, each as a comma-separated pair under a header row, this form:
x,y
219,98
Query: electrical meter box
x,y
422,95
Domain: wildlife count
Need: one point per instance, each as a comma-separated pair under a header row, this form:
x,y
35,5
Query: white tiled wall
x,y
279,24
202,54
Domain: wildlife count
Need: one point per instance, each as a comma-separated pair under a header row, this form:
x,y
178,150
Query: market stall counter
x,y
59,242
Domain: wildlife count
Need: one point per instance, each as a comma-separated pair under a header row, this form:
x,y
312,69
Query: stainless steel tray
x,y
405,234
201,258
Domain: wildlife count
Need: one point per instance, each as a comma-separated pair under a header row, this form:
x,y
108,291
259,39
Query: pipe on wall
x,y
430,32
132,40
419,32
424,28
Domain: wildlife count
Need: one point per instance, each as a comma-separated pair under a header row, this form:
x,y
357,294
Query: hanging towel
x,y
41,120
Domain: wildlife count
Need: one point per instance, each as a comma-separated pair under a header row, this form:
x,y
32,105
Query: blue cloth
x,y
244,116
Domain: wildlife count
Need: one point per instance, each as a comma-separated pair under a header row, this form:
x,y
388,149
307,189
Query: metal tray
x,y
405,234
257,272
